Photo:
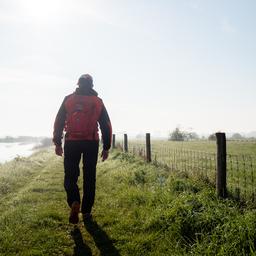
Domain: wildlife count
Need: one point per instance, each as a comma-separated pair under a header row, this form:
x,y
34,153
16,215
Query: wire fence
x,y
241,168
197,163
241,171
137,148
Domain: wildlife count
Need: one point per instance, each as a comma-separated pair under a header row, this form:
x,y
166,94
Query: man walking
x,y
79,115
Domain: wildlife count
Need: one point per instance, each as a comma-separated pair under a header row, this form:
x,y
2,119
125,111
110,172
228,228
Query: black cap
x,y
85,80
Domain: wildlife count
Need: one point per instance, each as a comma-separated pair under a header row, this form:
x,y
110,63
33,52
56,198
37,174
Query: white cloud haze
x,y
155,64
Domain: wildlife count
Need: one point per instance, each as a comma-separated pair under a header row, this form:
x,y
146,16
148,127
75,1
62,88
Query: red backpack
x,y
82,117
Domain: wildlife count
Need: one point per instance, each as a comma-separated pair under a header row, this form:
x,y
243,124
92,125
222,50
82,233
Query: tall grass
x,y
162,213
140,209
198,158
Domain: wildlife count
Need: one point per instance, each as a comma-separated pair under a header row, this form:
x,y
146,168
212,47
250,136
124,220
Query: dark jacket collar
x,y
86,91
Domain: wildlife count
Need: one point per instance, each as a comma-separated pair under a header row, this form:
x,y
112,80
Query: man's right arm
x,y
59,125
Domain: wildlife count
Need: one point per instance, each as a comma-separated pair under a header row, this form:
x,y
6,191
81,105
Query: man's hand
x,y
58,150
104,155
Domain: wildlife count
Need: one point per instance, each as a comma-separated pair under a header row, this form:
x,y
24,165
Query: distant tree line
x,y
180,135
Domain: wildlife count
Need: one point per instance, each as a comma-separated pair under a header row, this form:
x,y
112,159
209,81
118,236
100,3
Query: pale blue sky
x,y
156,64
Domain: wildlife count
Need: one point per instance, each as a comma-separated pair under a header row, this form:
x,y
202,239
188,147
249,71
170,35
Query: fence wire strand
x,y
240,176
241,169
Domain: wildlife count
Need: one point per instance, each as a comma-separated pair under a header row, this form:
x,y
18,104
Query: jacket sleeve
x,y
59,125
106,128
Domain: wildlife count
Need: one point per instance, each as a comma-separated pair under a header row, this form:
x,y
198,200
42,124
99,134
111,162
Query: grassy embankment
x,y
139,210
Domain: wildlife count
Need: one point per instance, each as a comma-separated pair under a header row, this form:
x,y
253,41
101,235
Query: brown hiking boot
x,y
73,217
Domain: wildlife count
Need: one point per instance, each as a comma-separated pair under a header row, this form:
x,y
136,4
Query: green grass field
x,y
140,209
233,147
198,158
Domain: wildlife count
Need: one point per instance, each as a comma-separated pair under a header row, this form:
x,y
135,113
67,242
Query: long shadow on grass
x,y
81,249
101,239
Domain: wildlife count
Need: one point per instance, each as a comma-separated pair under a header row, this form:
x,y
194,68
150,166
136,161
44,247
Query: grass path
x,y
34,213
139,210
32,220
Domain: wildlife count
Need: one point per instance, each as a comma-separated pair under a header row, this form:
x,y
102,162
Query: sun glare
x,y
42,10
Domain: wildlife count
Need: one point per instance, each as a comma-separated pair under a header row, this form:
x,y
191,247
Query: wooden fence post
x,y
221,175
148,147
125,143
113,141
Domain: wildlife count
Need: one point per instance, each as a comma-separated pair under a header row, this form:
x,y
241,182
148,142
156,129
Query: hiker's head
x,y
85,81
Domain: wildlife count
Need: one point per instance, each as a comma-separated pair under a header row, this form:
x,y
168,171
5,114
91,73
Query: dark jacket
x,y
101,118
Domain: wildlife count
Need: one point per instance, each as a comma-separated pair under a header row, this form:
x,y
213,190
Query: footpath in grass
x,y
139,210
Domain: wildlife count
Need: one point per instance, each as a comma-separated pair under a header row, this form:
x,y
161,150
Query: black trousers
x,y
73,151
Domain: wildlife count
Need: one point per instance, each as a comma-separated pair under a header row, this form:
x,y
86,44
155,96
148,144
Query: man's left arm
x,y
106,131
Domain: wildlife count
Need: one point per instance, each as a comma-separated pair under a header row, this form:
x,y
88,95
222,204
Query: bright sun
x,y
42,10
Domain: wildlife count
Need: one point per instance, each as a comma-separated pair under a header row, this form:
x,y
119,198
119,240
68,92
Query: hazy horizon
x,y
155,64
141,135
